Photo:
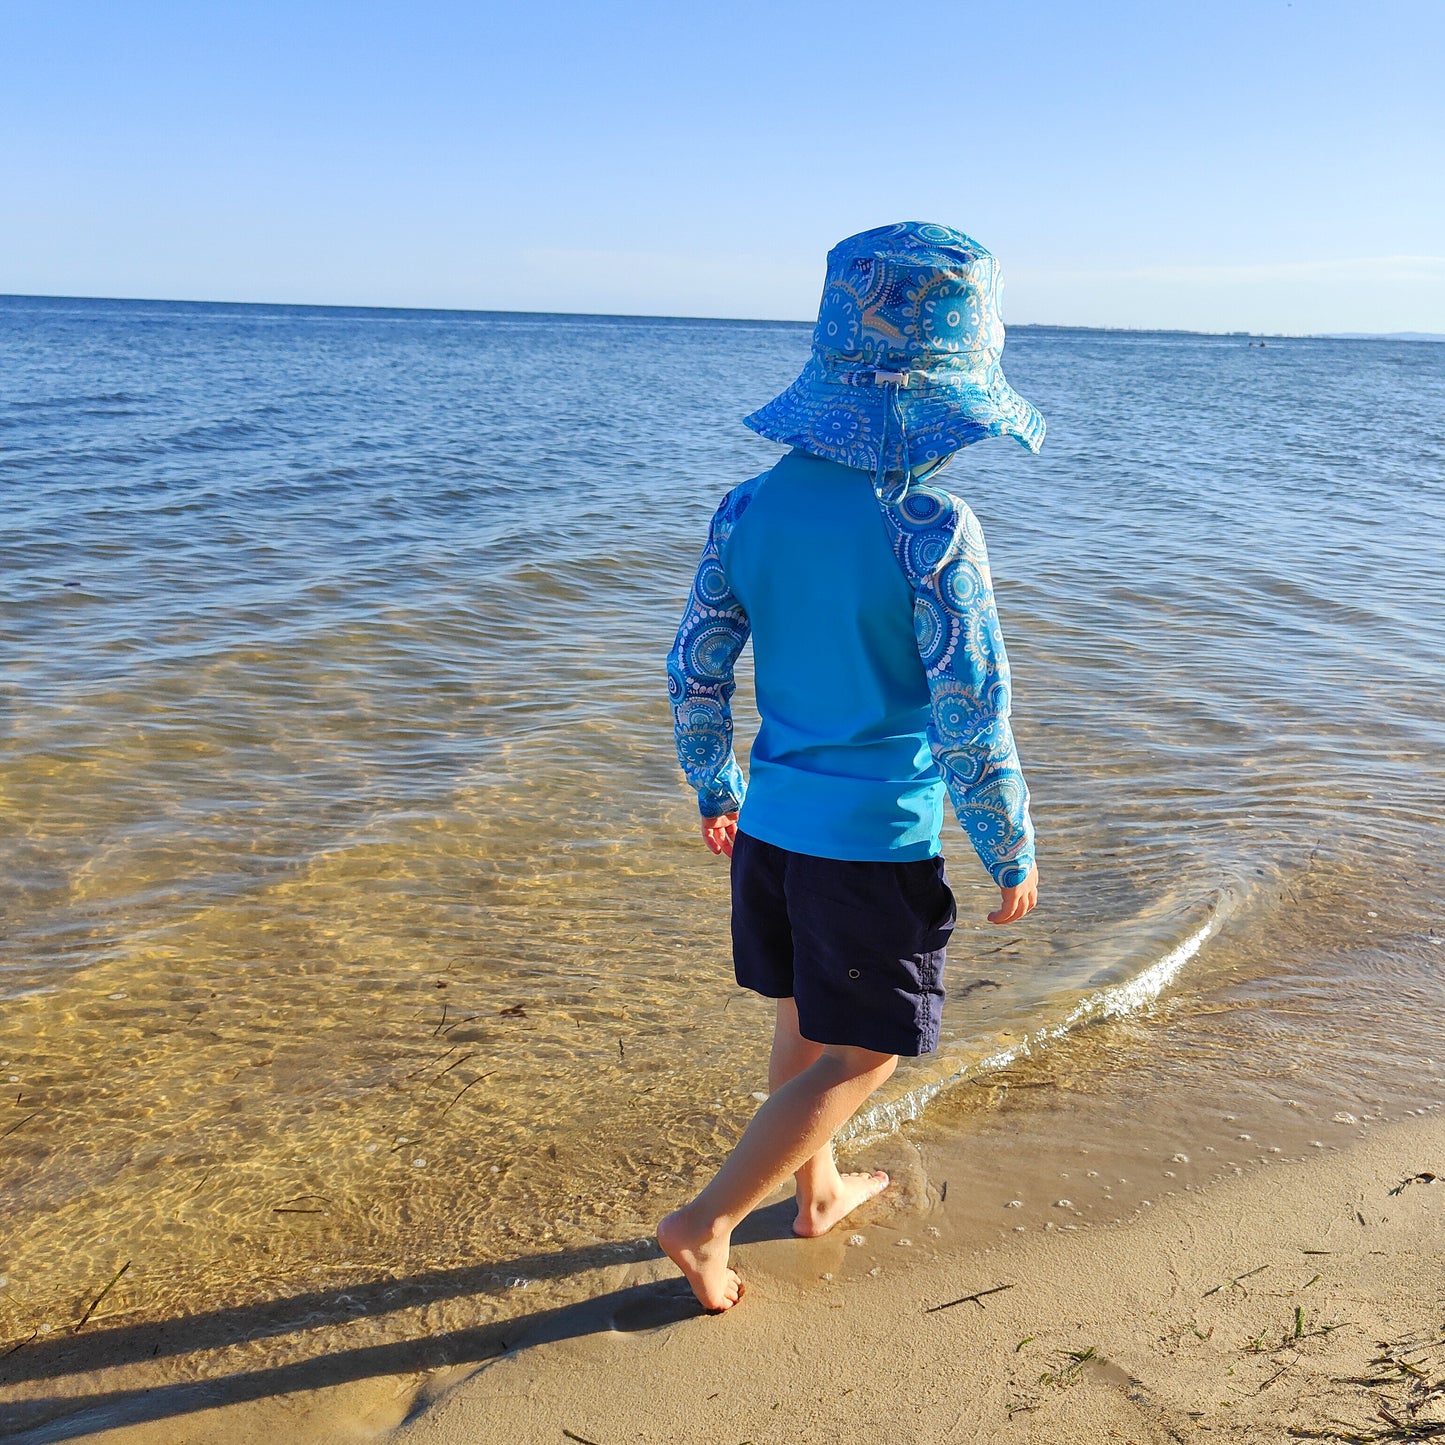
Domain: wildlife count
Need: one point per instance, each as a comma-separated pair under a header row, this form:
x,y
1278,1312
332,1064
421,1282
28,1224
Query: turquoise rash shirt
x,y
880,671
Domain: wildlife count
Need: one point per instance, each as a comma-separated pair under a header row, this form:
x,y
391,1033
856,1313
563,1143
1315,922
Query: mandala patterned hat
x,y
905,365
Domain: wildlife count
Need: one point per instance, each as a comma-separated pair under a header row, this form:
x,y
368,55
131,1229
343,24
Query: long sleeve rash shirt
x,y
881,674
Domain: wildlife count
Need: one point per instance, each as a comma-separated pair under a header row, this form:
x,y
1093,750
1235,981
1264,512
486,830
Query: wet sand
x,y
1266,1308
1192,1214
1269,1307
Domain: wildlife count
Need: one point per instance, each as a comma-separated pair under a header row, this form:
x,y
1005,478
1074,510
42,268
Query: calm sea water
x,y
353,916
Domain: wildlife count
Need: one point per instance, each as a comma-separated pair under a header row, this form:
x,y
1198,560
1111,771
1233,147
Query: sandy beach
x,y
1280,1280
1304,1302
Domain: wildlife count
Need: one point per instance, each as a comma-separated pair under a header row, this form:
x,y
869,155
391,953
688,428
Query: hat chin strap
x,y
894,493
891,382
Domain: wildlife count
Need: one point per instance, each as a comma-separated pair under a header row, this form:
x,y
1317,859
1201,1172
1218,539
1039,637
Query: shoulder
x,y
930,529
730,510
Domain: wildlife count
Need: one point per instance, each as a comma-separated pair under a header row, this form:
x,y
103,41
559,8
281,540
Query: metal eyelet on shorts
x,y
854,973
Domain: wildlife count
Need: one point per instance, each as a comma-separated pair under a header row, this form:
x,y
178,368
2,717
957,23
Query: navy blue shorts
x,y
859,946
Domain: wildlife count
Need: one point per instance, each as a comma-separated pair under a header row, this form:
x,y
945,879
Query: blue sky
x,y
1265,165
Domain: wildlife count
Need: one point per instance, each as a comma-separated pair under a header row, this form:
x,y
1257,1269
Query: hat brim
x,y
943,414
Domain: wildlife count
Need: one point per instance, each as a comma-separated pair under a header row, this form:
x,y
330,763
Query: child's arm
x,y
941,546
700,685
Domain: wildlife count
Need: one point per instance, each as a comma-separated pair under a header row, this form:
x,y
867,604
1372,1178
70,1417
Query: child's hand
x,y
718,833
1016,901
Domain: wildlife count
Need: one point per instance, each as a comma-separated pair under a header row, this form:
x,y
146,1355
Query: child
x,y
881,679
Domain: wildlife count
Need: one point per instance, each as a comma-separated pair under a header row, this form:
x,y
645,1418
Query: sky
x,y
1261,165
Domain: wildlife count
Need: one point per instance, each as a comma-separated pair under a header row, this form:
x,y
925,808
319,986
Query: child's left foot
x,y
821,1213
703,1262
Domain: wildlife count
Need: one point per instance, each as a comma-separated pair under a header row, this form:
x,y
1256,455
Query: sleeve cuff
x,y
714,805
1012,873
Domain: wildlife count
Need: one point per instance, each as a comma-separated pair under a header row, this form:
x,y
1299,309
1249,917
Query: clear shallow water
x,y
352,916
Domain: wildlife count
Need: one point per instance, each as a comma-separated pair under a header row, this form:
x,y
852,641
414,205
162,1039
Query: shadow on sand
x,y
64,1417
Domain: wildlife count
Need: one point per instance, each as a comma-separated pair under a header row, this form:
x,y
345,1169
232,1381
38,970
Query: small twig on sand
x,y
1283,1369
456,1064
989,952
430,1063
1230,1282
1356,1436
465,1019
580,1439
19,1123
94,1304
1323,1333
1423,1177
441,1023
21,1345
977,1299
463,1090
295,1206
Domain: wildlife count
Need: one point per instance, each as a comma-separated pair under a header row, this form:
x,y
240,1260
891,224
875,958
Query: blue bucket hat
x,y
905,365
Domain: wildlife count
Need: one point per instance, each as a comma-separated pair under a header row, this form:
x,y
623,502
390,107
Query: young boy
x,y
881,680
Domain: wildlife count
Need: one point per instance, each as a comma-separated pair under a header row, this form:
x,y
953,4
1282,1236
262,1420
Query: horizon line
x,y
721,320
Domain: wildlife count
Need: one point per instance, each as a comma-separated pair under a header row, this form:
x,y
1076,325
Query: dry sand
x,y
1268,1306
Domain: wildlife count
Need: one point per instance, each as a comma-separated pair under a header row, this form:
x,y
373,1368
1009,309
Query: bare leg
x,y
824,1195
787,1131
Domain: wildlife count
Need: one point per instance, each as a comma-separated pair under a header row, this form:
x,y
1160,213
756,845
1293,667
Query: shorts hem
x,y
913,1046
760,990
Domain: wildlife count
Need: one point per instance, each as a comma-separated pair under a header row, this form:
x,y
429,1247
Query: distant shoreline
x,y
460,311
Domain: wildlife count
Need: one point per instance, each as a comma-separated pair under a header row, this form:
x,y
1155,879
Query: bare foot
x,y
703,1261
822,1212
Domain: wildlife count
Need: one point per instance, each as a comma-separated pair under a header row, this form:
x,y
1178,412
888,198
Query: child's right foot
x,y
818,1215
704,1263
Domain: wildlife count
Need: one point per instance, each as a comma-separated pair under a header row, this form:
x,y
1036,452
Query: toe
x,y
732,1292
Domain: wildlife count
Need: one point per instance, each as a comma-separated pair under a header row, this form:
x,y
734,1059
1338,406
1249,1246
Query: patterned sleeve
x,y
700,673
941,548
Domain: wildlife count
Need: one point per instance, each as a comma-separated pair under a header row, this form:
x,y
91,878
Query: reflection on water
x,y
352,912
